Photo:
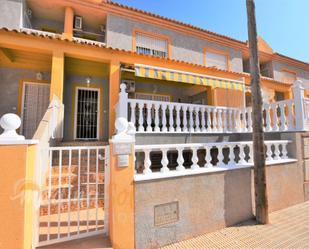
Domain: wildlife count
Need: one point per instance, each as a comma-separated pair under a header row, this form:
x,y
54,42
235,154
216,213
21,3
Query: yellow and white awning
x,y
186,77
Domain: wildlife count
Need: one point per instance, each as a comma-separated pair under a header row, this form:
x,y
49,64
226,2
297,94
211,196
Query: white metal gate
x,y
35,101
74,195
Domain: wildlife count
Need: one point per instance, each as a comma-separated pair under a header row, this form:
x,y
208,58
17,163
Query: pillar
x,y
16,194
68,23
114,86
57,75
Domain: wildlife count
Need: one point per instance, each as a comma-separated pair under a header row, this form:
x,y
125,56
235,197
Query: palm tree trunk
x,y
261,200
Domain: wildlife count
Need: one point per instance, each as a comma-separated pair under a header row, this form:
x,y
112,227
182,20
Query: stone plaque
x,y
166,213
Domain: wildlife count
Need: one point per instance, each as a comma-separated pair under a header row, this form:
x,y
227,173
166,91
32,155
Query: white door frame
x,y
23,99
75,111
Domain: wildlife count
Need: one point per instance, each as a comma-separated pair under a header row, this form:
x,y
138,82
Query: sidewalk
x,y
288,228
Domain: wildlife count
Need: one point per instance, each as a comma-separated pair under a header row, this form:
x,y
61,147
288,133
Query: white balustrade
x,y
171,117
216,155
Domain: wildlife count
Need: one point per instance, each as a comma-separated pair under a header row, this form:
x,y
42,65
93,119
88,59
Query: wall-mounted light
x,y
39,76
88,81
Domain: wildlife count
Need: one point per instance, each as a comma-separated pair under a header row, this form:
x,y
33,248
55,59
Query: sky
x,y
283,24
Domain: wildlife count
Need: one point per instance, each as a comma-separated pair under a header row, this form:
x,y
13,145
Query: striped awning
x,y
186,77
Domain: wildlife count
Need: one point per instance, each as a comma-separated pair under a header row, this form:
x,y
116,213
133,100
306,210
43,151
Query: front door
x,y
87,113
35,101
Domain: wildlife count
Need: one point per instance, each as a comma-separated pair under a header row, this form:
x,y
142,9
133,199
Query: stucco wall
x,y
11,14
70,80
301,74
9,83
209,202
184,47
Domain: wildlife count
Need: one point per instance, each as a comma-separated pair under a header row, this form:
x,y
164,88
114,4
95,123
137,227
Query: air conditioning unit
x,y
130,85
78,22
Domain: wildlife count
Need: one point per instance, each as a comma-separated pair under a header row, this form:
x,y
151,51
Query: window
x,y
279,96
288,76
151,45
217,60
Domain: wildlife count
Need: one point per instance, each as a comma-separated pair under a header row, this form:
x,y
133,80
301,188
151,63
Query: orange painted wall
x,y
16,187
121,201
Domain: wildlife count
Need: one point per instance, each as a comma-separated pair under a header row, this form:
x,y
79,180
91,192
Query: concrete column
x,y
298,92
57,75
114,85
68,23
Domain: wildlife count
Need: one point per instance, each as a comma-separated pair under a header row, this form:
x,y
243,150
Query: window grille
x,y
216,60
151,46
87,110
155,97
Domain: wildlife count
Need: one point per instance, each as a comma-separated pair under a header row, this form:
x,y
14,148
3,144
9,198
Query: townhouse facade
x,y
71,68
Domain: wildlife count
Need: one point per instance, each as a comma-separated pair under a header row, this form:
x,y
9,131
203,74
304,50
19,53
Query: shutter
x,y
216,60
150,45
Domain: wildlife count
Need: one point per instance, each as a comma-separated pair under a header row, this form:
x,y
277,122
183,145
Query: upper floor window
x,y
149,45
216,59
288,76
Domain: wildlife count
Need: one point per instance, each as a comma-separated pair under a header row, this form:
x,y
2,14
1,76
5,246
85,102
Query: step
x,y
67,178
84,190
64,205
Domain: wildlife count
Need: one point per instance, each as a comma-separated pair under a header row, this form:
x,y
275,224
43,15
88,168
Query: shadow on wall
x,y
237,196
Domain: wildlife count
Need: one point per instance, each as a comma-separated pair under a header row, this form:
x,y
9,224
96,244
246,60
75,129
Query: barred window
x,y
151,45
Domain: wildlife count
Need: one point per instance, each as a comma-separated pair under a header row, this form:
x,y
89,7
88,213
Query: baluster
x,y
290,116
235,120
244,120
133,106
180,159
164,128
147,162
231,155
276,151
267,119
283,126
148,109
191,122
269,152
214,120
224,113
171,123
156,118
197,119
249,112
238,121
230,121
140,117
242,154
209,128
178,128
203,121
284,150
164,161
185,121
275,117
220,120
194,159
208,157
220,156
250,153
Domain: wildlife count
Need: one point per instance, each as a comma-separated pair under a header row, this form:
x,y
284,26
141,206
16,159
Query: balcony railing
x,y
171,117
204,156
